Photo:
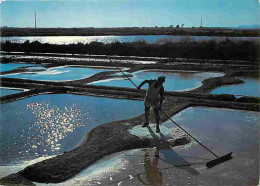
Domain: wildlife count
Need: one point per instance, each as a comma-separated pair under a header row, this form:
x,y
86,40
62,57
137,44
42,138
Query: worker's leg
x,y
147,110
157,119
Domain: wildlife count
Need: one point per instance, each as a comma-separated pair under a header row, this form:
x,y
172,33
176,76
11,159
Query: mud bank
x,y
114,137
81,87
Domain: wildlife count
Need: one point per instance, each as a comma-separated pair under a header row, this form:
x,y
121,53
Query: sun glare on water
x,y
51,126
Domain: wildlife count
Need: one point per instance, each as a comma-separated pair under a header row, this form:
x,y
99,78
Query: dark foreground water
x,y
50,124
175,80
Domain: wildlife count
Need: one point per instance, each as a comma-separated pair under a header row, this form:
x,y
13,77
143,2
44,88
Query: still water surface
x,y
160,39
5,91
250,87
51,124
11,66
63,73
175,80
222,130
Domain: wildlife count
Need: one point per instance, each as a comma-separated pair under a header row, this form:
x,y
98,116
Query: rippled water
x,y
51,124
251,87
109,39
64,73
175,80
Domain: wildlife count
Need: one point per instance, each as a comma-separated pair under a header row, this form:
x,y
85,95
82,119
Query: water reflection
x,y
232,130
7,91
185,75
11,66
43,126
153,168
251,87
152,171
64,73
169,156
160,39
51,124
175,80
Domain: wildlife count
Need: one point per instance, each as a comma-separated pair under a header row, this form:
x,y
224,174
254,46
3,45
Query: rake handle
x,y
189,134
165,113
122,72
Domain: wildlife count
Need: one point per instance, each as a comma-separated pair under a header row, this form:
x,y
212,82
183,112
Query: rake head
x,y
219,160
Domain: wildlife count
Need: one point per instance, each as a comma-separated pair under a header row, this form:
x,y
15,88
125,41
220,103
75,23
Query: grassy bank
x,y
91,31
222,50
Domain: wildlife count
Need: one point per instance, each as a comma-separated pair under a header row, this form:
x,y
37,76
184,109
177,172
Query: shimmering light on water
x,y
64,73
175,80
51,124
54,123
222,130
251,87
109,39
11,66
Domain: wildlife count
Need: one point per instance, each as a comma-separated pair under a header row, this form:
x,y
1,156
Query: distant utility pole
x,y
35,23
201,22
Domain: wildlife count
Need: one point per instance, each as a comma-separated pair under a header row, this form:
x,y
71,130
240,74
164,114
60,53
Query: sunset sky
x,y
129,13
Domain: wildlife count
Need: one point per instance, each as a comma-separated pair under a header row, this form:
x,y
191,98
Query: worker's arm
x,y
145,81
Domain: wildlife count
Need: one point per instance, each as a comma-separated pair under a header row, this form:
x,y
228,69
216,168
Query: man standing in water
x,y
154,98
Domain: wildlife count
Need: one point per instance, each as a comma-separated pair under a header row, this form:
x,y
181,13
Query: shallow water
x,y
232,129
251,87
221,130
5,91
50,124
110,39
175,80
64,73
11,66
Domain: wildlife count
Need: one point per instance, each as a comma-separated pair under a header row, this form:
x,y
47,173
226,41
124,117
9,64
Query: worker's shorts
x,y
151,103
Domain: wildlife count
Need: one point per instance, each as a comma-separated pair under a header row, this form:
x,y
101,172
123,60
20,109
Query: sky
x,y
129,13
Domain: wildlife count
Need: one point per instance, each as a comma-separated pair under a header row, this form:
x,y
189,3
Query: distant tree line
x,y
222,50
178,30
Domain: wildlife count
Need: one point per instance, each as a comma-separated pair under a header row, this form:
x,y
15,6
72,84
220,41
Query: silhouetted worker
x,y
154,98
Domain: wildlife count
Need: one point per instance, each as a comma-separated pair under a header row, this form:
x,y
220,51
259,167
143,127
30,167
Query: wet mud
x,y
115,137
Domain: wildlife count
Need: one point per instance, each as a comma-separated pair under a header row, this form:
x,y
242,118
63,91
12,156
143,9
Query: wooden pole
x,y
35,23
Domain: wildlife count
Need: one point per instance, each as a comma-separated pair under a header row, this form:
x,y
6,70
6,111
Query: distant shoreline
x,y
91,31
211,49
